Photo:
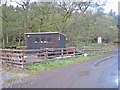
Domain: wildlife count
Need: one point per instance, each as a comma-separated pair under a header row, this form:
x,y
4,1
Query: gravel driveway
x,y
100,73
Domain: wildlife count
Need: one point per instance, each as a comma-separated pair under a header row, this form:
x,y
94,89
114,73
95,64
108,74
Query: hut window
x,y
43,40
59,37
49,39
37,40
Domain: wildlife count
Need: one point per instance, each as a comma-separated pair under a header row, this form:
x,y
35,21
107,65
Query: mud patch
x,y
84,73
102,61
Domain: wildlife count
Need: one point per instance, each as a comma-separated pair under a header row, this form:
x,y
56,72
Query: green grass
x,y
51,65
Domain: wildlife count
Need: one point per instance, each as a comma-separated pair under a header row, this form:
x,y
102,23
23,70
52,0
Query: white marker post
x,y
99,40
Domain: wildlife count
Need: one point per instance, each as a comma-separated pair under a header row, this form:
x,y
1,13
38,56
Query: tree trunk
x,y
3,42
19,40
7,39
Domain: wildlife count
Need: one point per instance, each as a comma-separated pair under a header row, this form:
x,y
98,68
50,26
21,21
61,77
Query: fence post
x,y
94,51
23,54
46,53
67,50
62,52
74,49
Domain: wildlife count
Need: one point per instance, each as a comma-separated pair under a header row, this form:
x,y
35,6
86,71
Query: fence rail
x,y
52,53
12,56
23,57
97,50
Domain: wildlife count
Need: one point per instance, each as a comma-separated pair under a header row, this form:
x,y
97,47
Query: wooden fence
x,y
53,53
96,50
23,57
12,57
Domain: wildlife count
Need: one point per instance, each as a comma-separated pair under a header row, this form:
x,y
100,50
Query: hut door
x,y
54,42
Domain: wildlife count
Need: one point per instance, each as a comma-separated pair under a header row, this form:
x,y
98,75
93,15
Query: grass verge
x,y
51,65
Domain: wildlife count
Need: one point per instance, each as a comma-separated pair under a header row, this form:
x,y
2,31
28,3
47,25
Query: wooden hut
x,y
39,40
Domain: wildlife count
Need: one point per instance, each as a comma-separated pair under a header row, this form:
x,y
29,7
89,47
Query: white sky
x,y
111,4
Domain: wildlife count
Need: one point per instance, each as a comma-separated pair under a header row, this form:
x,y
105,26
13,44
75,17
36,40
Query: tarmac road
x,y
100,73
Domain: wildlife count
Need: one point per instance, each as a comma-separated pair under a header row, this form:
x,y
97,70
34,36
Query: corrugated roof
x,y
45,33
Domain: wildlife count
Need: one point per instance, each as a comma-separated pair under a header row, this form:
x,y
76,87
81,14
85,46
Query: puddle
x,y
84,73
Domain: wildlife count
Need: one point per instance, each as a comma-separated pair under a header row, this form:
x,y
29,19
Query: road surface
x,y
100,73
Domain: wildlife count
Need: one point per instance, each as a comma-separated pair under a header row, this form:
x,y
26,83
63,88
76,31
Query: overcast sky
x,y
110,4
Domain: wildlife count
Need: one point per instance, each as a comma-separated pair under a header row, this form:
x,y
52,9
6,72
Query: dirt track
x,y
100,73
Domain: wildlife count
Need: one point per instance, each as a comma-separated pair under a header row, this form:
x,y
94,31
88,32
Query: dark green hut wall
x,y
62,43
56,43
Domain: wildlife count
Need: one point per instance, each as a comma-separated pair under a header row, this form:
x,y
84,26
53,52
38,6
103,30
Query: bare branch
x,y
24,4
4,19
83,6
